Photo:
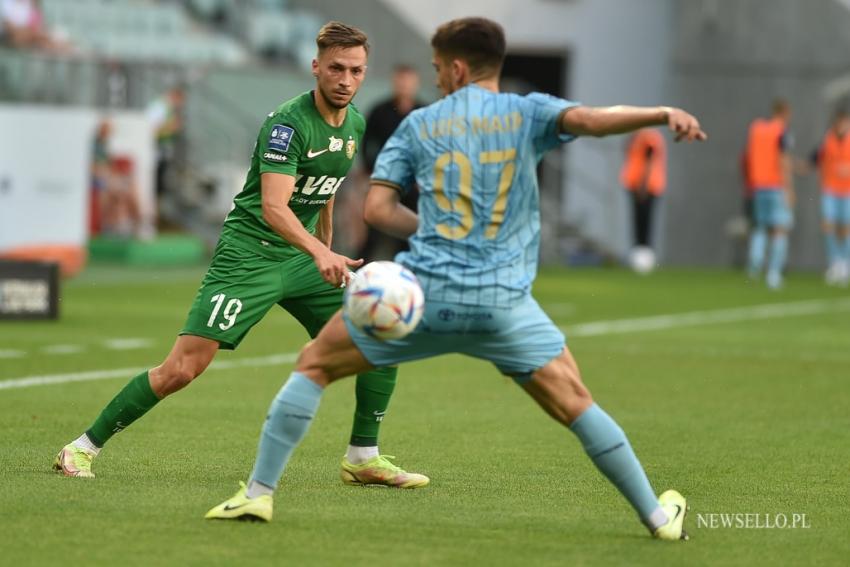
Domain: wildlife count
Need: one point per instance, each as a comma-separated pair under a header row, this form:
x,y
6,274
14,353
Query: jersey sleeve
x,y
394,165
279,145
546,111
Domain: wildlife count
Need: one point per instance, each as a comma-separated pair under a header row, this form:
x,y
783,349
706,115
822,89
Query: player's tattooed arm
x,y
603,121
277,189
385,212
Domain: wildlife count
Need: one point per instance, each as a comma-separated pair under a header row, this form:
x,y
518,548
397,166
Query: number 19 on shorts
x,y
231,310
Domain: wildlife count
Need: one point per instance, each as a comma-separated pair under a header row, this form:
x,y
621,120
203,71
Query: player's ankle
x,y
85,442
358,455
256,489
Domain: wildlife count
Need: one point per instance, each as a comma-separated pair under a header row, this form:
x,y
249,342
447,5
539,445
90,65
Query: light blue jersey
x,y
474,156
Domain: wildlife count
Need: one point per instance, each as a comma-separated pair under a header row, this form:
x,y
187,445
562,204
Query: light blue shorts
x,y
517,340
835,209
770,208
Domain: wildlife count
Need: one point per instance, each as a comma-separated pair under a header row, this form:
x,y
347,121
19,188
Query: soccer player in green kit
x,y
275,248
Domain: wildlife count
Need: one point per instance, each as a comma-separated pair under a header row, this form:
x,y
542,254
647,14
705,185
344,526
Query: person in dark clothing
x,y
644,175
382,121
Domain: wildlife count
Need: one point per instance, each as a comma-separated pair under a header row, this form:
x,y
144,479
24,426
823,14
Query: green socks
x,y
131,403
373,391
136,399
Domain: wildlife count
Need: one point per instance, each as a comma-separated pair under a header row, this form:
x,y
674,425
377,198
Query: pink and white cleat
x,y
379,470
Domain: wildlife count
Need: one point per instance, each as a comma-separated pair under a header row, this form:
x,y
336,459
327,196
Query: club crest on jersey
x,y
279,138
335,144
350,148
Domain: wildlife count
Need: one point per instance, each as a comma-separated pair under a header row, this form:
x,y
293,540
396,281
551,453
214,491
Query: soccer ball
x,y
384,300
642,259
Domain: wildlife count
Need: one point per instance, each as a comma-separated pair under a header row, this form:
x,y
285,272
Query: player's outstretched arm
x,y
603,121
277,189
385,212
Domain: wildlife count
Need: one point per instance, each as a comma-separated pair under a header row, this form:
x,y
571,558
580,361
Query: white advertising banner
x,y
45,170
44,175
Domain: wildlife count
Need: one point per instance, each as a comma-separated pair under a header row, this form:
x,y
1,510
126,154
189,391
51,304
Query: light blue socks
x,y
778,253
758,247
607,446
844,248
289,418
833,250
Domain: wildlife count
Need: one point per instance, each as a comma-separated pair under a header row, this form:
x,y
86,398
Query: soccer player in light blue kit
x,y
474,248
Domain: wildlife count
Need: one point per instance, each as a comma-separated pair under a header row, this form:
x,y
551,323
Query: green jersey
x,y
294,140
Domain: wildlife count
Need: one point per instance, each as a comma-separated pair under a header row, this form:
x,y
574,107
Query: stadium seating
x,y
140,31
222,33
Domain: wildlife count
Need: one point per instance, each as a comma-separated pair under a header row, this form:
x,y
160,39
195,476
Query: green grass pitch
x,y
744,416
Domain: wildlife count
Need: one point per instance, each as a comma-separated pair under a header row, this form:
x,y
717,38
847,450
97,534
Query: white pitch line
x,y
12,353
127,344
62,349
598,328
48,379
713,317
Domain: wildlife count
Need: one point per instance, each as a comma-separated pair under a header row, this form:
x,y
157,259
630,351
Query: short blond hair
x,y
337,34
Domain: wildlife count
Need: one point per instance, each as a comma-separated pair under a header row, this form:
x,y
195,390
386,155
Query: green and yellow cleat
x,y
240,507
74,461
379,470
675,506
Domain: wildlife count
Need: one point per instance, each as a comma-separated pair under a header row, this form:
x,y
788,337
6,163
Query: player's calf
x,y
559,390
167,379
188,359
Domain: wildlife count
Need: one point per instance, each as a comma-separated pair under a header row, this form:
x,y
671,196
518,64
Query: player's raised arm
x,y
603,121
277,189
385,212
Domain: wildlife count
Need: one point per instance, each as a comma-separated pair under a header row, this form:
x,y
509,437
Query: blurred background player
x,y
770,172
382,121
480,214
166,115
100,172
832,158
120,211
275,249
644,175
115,207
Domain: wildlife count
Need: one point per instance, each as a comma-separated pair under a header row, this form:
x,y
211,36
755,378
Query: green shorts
x,y
240,287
